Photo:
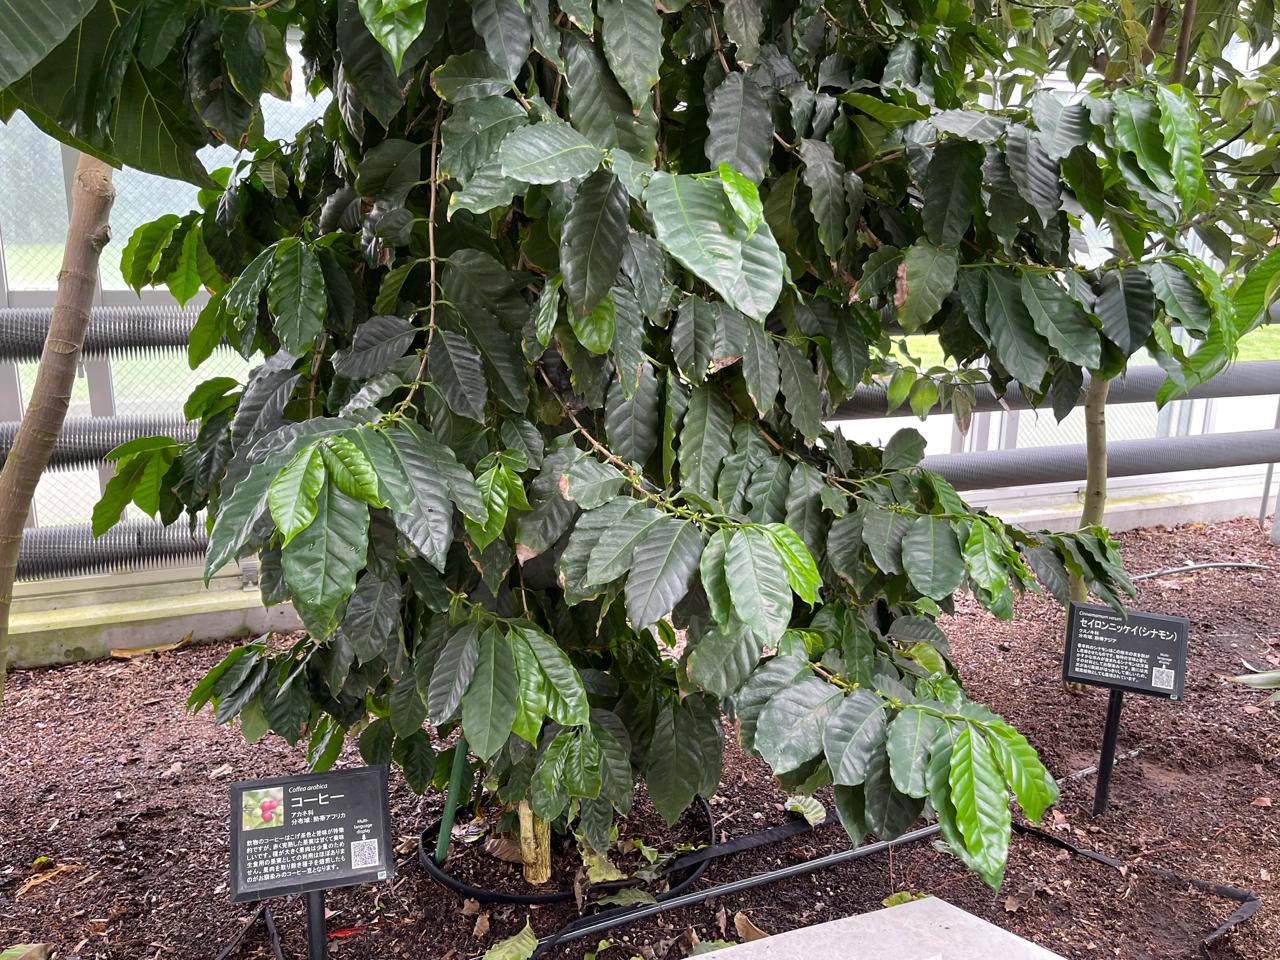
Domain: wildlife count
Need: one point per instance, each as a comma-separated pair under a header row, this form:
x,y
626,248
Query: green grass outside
x,y
1261,344
33,266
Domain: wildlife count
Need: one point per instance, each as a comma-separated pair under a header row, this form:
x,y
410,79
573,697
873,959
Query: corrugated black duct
x,y
49,552
114,330
85,441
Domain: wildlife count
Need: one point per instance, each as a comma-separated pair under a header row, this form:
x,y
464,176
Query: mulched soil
x,y
101,771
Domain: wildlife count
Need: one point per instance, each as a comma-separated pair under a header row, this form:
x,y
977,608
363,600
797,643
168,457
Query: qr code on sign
x,y
1162,678
364,853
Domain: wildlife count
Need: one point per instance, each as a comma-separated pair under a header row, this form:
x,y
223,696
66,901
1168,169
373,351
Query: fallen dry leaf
x,y
44,876
747,930
128,653
481,929
1261,802
470,908
1012,904
503,848
219,772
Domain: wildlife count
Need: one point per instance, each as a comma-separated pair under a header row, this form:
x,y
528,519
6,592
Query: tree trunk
x,y
535,845
87,233
1095,476
1095,479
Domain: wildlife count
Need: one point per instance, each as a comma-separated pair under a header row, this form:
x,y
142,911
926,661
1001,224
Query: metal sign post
x,y
1123,651
1108,759
317,928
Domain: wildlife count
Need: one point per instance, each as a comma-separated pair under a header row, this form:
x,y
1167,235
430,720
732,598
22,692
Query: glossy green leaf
x,y
723,659
890,114
547,153
662,570
611,557
504,27
739,129
854,733
889,812
631,424
1018,347
1034,172
292,494
797,561
489,705
1031,783
453,671
695,224
705,440
931,557
1061,320
758,584
790,729
296,296
1061,126
321,562
909,740
566,696
592,239
1137,128
395,24
632,35
981,804
458,373
823,174
951,190
1126,307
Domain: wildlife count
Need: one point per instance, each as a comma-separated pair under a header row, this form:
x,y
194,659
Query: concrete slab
x,y
929,929
85,618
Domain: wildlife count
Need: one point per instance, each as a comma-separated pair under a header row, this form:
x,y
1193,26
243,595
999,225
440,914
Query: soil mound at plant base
x,y
103,773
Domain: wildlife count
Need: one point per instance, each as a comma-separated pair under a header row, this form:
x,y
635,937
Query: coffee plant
x,y
551,311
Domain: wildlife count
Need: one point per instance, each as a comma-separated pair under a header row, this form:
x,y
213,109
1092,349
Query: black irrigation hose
x,y
426,844
263,914
1249,901
620,916
677,897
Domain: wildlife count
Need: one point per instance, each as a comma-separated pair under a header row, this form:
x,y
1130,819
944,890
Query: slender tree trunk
x,y
535,845
1095,482
1183,51
87,233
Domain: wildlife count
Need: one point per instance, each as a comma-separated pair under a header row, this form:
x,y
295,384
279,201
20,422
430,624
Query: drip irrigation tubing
x,y
680,896
1191,567
427,844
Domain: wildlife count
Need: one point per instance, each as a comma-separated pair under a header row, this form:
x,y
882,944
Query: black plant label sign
x,y
1137,652
310,832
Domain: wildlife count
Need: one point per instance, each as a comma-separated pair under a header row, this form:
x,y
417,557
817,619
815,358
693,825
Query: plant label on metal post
x,y
1136,652
307,834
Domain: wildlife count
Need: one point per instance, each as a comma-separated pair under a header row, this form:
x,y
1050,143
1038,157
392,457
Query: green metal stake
x,y
451,801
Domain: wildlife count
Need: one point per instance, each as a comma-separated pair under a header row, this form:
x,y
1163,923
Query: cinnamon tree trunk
x,y
87,233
